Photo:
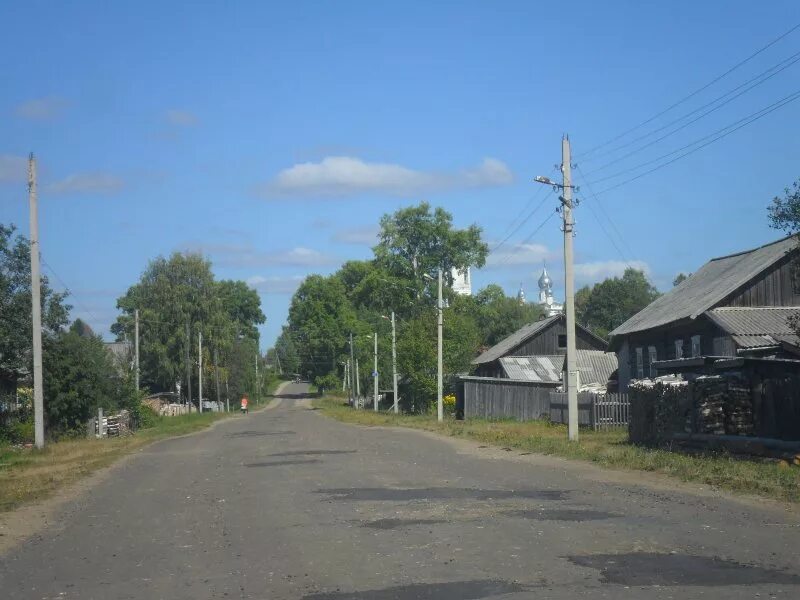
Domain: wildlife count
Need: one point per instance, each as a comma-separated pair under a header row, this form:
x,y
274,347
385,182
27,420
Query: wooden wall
x,y
773,287
486,398
546,342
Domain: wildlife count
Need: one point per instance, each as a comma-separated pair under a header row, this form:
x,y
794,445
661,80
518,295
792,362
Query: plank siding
x,y
773,287
546,342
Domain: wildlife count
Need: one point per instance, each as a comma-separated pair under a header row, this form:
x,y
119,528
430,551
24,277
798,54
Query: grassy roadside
x,y
607,449
27,475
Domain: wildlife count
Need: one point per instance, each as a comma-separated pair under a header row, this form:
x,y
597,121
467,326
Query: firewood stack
x,y
710,398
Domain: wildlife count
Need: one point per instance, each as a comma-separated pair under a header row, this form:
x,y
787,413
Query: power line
x,y
610,220
523,222
694,93
711,138
80,306
761,79
528,239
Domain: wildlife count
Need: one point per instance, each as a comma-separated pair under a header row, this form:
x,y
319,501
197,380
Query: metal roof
x,y
502,347
546,369
595,366
711,284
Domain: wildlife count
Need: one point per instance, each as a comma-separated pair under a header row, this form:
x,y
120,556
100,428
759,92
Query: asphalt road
x,y
286,504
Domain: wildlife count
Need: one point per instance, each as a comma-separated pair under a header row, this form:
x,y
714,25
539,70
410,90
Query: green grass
x,y
605,448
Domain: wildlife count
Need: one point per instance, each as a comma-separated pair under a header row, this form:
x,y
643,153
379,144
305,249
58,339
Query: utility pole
x,y
258,387
353,399
345,380
394,366
200,371
36,309
572,373
358,384
439,384
227,396
216,374
375,373
188,368
136,343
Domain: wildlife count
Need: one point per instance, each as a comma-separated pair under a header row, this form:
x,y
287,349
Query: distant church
x,y
546,299
462,282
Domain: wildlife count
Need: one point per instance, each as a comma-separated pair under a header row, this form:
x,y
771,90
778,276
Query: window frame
x,y
639,362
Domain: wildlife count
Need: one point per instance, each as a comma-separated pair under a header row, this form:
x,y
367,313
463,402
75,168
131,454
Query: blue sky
x,y
273,136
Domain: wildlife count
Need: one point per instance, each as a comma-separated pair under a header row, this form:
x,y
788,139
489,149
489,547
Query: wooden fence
x,y
594,410
490,398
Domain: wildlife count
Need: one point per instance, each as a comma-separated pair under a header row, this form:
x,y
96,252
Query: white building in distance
x,y
462,282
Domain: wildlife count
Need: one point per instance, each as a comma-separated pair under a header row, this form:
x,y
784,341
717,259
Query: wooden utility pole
x,y
199,371
188,368
36,309
569,286
136,343
216,374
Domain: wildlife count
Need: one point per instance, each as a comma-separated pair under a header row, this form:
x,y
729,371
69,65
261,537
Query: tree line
x,y
412,245
177,297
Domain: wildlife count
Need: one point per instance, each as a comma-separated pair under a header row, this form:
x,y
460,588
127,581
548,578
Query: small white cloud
x,y
88,183
597,271
360,236
13,169
519,254
344,175
181,118
232,255
41,109
275,285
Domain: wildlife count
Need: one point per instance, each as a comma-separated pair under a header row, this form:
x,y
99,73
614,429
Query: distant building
x,y
521,295
462,282
546,299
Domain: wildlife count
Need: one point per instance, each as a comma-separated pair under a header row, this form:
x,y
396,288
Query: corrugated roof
x,y
515,339
546,369
751,327
595,366
711,284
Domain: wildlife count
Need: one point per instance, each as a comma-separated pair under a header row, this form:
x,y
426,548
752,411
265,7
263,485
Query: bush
x,y
18,432
145,417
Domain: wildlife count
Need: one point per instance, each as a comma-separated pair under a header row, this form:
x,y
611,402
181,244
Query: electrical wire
x,y
708,140
794,59
522,223
692,94
69,292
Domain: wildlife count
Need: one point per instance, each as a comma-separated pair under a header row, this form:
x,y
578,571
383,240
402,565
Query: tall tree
x,y
16,344
784,212
610,303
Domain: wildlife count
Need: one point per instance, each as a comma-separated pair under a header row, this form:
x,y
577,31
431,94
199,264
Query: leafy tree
x,y
16,359
610,303
498,315
415,241
80,377
679,279
784,213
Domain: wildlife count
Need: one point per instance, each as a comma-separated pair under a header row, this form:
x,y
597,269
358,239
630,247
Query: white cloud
x,y
344,175
361,236
519,254
41,109
13,169
597,271
275,285
88,183
232,255
181,118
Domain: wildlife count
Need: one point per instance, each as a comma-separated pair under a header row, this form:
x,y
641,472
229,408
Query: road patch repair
x,y
313,452
653,569
562,514
439,493
249,434
283,463
400,523
457,590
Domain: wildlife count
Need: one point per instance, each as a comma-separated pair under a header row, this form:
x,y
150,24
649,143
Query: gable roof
x,y
711,284
752,327
595,366
521,335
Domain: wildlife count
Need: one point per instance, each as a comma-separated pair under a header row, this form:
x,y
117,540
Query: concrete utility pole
x,y
439,383
358,383
345,380
258,387
375,373
227,396
216,374
394,365
200,371
569,285
188,368
136,343
353,361
36,309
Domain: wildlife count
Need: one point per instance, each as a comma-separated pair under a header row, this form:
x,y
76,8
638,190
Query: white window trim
x,y
652,356
639,363
678,348
696,345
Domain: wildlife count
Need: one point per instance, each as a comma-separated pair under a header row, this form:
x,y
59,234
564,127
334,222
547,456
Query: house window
x,y
562,340
653,357
696,346
639,363
678,348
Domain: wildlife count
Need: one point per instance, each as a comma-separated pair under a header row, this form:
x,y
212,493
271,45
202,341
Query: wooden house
x,y
736,305
545,338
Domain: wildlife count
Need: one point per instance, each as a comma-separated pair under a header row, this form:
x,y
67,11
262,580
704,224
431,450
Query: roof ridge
x,y
732,308
783,239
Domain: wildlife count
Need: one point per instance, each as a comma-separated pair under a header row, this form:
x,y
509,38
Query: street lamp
x,y
394,362
439,386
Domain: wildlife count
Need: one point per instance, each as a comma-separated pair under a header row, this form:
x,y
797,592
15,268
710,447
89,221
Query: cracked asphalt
x,y
287,504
